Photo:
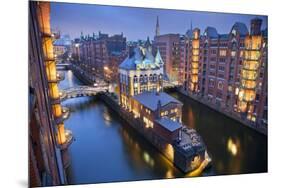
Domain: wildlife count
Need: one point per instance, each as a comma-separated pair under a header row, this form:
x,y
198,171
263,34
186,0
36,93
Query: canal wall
x,y
228,114
172,152
86,79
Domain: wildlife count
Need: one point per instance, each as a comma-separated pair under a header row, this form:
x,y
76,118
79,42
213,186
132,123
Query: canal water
x,y
107,149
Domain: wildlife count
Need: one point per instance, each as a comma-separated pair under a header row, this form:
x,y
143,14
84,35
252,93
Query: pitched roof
x,y
211,32
241,28
128,64
141,58
158,58
169,124
151,99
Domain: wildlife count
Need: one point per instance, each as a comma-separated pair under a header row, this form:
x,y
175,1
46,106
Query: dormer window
x,y
234,32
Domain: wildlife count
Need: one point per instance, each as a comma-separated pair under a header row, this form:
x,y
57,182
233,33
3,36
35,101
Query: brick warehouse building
x,y
48,139
100,54
228,71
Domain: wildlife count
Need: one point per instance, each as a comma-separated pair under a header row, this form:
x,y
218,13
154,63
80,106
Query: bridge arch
x,y
82,91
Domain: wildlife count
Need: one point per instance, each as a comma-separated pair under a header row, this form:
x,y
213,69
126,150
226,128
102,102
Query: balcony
x,y
63,116
62,95
60,76
69,139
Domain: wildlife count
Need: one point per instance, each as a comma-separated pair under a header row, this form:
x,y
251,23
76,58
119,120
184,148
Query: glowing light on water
x,y
148,159
232,147
191,121
169,174
69,78
107,118
170,151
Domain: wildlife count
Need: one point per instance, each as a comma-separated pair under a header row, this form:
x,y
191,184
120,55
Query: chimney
x,y
159,109
256,26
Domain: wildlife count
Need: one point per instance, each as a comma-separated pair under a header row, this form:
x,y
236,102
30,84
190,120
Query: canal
x,y
106,149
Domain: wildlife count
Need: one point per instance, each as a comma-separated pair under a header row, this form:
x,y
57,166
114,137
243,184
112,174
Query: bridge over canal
x,y
83,91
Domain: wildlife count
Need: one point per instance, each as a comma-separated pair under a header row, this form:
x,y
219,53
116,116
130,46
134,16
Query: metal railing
x,y
81,91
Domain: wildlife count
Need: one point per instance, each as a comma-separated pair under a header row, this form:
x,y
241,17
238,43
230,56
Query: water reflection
x,y
142,152
148,159
107,149
191,120
234,148
107,118
169,174
70,78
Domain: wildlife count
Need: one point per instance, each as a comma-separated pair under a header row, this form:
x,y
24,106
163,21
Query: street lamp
x,y
105,68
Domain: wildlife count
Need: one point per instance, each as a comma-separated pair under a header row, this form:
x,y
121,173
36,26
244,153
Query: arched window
x,y
145,78
150,78
141,78
135,79
154,77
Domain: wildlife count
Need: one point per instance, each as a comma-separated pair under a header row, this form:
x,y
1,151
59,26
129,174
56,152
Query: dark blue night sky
x,y
137,23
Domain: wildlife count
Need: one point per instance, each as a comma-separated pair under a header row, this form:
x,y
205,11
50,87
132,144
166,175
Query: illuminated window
x,y
148,123
222,52
135,85
54,90
253,119
241,53
57,110
236,91
233,53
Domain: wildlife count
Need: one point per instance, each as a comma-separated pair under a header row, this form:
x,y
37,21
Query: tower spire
x,y
157,30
